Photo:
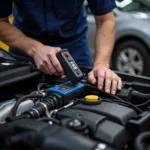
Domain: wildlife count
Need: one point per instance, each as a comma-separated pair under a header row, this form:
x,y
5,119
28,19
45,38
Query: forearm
x,y
104,42
17,39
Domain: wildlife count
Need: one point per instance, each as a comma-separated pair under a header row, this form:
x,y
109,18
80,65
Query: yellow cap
x,y
92,98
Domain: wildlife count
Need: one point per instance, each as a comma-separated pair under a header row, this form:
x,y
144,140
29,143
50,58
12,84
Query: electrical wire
x,y
108,94
108,100
127,104
40,85
130,105
22,99
144,98
143,104
117,99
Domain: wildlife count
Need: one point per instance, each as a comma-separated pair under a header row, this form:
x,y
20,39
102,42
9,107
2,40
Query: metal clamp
x,y
46,109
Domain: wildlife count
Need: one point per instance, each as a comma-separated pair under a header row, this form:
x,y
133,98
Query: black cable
x,y
141,140
143,99
143,104
114,96
23,98
40,85
108,94
108,100
127,104
141,95
120,100
49,119
4,60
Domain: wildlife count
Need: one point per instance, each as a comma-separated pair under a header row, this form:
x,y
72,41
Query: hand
x,y
46,60
106,78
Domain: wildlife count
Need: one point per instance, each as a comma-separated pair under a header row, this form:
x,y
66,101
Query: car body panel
x,y
130,26
127,25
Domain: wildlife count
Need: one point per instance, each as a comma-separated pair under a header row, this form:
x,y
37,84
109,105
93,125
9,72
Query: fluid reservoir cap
x,y
91,98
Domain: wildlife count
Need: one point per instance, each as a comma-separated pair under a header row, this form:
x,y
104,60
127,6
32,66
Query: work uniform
x,y
60,23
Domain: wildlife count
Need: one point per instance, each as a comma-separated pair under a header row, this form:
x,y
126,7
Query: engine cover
x,y
105,121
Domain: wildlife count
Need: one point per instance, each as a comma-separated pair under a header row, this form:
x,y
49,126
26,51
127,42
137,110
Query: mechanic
x,y
41,28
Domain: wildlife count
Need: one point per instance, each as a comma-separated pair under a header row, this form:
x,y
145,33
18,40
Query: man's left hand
x,y
105,79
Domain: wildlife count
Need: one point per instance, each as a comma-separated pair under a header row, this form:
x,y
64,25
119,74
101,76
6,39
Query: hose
x,y
141,95
22,99
142,140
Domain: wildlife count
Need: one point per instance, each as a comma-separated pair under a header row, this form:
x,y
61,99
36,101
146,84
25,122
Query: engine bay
x,y
46,112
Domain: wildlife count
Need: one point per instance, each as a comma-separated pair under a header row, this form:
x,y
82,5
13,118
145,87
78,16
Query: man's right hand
x,y
44,56
46,60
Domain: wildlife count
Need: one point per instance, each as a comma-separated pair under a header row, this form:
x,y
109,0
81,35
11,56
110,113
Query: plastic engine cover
x,y
106,121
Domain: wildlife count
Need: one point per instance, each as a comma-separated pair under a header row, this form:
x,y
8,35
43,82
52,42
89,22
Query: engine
x,y
46,112
61,115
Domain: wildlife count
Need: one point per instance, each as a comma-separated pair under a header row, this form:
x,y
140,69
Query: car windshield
x,y
133,5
